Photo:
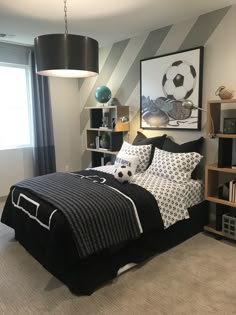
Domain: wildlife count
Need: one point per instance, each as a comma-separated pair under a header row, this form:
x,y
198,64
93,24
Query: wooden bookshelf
x,y
215,173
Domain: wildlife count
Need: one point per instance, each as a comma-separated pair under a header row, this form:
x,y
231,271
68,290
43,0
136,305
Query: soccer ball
x,y
123,174
179,80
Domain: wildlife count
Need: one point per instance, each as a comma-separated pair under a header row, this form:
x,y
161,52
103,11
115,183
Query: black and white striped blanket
x,y
99,215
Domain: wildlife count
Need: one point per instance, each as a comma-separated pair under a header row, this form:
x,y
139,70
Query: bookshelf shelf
x,y
214,167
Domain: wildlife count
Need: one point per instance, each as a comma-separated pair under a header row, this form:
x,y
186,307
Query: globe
x,y
103,94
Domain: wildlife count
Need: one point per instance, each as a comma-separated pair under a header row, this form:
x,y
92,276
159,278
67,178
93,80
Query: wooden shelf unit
x,y
115,130
216,173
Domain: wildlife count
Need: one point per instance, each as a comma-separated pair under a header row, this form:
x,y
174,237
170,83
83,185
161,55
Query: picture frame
x,y
166,81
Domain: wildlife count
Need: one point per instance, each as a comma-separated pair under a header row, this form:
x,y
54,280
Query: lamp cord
x,y
65,18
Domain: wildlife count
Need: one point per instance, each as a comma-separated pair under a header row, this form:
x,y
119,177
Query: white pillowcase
x,y
128,160
143,152
177,167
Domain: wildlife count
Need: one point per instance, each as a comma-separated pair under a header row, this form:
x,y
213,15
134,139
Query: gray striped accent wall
x,y
148,45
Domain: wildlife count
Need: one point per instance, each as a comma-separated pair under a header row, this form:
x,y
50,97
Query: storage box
x,y
229,226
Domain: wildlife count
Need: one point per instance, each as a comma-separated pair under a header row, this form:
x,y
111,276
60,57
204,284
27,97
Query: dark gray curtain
x,y
44,149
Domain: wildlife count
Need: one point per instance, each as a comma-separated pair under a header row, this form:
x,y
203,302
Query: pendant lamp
x,y
66,55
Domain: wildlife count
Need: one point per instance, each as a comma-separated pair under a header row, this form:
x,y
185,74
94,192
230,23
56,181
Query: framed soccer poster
x,y
165,83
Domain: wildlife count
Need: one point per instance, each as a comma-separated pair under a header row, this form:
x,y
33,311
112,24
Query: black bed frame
x,y
84,276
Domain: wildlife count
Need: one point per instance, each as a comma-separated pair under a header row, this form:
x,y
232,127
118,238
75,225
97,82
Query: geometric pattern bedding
x,y
173,199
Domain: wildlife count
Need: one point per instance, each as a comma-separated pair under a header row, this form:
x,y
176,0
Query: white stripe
x,y
50,218
135,209
26,212
175,37
126,268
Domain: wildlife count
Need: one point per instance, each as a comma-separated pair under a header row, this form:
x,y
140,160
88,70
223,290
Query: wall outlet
x,y
67,168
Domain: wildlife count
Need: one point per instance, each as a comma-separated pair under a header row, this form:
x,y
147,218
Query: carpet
x,y
196,277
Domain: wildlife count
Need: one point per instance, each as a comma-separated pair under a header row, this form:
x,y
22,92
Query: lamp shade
x,y
66,55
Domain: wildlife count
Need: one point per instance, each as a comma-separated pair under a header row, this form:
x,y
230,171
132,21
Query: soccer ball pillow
x,y
123,174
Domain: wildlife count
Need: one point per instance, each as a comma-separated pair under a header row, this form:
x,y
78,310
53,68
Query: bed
x,y
85,227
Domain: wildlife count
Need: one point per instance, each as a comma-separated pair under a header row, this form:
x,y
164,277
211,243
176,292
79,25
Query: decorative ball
x,y
123,174
179,80
103,94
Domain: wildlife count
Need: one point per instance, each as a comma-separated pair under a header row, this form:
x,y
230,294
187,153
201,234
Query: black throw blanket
x,y
99,216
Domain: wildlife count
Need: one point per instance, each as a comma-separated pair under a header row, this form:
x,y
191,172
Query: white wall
x,y
219,68
66,123
15,165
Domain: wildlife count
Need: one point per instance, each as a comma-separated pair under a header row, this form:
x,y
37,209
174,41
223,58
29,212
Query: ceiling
x,y
108,21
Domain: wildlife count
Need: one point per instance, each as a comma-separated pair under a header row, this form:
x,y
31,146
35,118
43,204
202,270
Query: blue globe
x,y
102,94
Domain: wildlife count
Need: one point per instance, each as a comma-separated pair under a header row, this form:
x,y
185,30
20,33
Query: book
x,y
234,191
97,141
230,190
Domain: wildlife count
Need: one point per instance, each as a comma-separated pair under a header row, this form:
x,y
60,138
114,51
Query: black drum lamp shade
x,y
66,55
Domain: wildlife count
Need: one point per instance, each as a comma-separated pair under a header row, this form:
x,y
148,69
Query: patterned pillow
x,y
141,151
174,166
123,158
156,142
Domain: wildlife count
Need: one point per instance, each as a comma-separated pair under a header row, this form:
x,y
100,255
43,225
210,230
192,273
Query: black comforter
x,y
98,215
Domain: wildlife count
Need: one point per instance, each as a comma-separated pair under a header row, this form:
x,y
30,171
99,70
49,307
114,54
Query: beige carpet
x,y
196,277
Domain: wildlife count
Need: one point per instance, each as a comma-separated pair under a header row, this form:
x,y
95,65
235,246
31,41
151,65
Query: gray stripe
x,y
104,76
149,48
203,28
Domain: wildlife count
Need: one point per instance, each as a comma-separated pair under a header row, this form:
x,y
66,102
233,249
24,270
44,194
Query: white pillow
x,y
129,160
174,166
143,152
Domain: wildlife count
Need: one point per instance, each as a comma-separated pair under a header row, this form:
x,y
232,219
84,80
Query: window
x,y
15,107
